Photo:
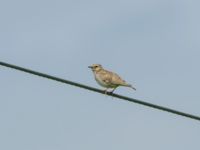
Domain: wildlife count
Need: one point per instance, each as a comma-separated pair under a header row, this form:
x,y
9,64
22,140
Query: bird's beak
x,y
90,67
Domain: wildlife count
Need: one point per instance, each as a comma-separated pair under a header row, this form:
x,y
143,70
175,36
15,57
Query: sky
x,y
152,44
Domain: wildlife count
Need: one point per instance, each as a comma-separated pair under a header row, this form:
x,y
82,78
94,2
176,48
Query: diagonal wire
x,y
191,116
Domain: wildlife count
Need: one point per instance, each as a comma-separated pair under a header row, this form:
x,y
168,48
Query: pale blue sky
x,y
153,44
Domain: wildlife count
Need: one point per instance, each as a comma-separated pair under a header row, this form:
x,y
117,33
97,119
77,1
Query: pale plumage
x,y
108,79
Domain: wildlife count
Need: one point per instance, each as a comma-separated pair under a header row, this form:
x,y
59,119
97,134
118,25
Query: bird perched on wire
x,y
108,79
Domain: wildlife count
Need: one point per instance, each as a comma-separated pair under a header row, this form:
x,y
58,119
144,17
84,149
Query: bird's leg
x,y
106,91
113,90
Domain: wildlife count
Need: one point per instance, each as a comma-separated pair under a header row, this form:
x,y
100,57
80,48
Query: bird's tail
x,y
129,85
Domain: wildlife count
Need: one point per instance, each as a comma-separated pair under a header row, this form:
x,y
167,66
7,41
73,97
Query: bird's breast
x,y
100,81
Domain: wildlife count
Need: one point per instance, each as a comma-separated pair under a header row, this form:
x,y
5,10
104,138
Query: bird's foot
x,y
105,92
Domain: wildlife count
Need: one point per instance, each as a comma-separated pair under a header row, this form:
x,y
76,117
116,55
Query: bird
x,y
108,79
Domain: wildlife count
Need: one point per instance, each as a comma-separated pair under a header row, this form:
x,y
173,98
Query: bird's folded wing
x,y
113,78
105,76
116,79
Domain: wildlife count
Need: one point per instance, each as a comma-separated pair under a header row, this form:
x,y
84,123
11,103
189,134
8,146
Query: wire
x,y
102,92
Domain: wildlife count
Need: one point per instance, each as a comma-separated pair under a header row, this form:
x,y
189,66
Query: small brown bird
x,y
108,79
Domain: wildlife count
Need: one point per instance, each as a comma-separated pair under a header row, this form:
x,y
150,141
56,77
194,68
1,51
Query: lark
x,y
108,79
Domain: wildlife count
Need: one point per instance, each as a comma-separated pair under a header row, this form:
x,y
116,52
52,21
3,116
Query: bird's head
x,y
95,67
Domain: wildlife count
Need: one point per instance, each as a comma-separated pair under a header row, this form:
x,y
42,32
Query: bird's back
x,y
112,77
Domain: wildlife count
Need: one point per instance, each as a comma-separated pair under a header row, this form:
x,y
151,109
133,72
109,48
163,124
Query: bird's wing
x,y
115,79
105,76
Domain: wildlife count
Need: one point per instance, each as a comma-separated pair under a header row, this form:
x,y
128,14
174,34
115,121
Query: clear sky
x,y
153,44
